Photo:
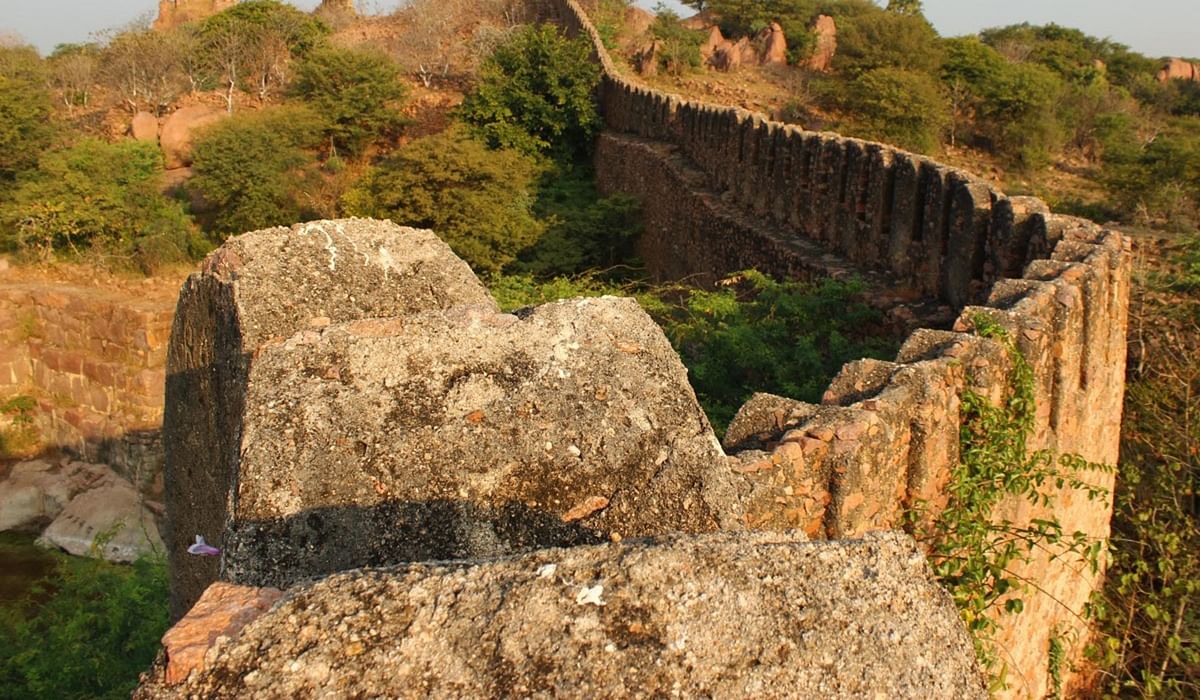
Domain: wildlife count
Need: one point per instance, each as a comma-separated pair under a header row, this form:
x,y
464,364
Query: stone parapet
x,y
730,189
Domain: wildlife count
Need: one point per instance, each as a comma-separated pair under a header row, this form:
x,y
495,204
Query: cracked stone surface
x,y
468,433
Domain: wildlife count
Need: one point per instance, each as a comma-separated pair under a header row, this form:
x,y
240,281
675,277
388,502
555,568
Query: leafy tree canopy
x,y
897,106
249,168
536,93
888,40
97,627
355,91
479,201
301,31
25,126
99,196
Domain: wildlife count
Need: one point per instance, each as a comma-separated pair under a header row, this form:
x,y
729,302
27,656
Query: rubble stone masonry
x,y
94,360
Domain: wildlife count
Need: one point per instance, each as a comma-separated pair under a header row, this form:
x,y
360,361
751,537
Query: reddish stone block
x,y
222,611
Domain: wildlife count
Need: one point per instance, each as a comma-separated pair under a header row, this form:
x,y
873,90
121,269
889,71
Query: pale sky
x,y
1154,27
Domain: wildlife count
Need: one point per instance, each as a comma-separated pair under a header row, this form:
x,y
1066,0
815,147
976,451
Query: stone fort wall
x,y
94,360
724,189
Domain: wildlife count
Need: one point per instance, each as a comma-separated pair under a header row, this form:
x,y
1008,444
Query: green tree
x,y
356,92
887,40
101,197
536,93
680,45
302,32
22,62
897,106
25,127
479,201
1012,107
252,44
1157,181
249,169
584,231
906,7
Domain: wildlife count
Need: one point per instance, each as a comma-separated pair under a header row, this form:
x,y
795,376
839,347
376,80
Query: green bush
x,y
514,292
536,93
300,31
87,632
355,91
22,62
584,231
25,127
680,45
894,40
897,106
103,198
1011,107
479,201
756,334
249,169
1157,181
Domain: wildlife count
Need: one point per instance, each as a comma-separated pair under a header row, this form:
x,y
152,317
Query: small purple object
x,y
203,549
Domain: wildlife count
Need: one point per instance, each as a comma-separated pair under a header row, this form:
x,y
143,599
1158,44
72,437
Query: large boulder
x,y
36,492
464,434
726,56
258,287
774,46
179,130
728,616
110,522
144,127
638,21
825,30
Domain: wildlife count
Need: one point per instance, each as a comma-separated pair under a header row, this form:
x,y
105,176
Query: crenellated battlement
x,y
725,189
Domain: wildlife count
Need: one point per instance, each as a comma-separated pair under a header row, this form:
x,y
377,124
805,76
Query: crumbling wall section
x,y
886,435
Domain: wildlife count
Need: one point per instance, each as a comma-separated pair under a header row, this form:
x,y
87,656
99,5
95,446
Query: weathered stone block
x,y
745,615
451,435
260,286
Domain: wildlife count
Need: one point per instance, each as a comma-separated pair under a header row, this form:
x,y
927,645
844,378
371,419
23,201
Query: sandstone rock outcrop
x,y
1179,69
258,287
825,29
179,129
172,13
461,434
710,45
638,21
728,615
646,60
144,127
774,46
730,55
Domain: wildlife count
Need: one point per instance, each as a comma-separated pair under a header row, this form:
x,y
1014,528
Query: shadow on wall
x,y
280,552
